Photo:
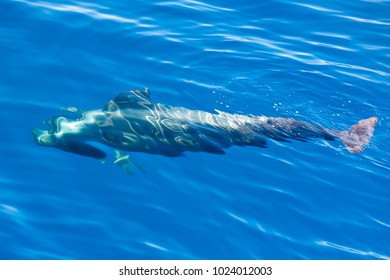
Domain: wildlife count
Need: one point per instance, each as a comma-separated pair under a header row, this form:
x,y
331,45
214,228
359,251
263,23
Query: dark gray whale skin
x,y
132,122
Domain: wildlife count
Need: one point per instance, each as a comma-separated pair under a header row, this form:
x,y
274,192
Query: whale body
x,y
132,122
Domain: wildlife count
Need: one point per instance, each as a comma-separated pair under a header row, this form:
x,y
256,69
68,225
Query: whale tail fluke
x,y
357,137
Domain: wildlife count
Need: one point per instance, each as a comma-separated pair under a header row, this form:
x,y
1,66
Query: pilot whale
x,y
132,122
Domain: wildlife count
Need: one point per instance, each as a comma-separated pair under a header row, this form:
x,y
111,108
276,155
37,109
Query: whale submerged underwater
x,y
132,122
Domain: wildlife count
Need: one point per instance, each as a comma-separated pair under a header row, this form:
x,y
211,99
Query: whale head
x,y
68,135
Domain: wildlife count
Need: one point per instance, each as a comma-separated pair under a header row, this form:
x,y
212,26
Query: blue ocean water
x,y
326,62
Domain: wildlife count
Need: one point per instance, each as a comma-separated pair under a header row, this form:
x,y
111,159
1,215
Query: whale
x,y
133,122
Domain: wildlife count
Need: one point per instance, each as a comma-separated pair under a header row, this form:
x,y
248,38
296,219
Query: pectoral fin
x,y
124,161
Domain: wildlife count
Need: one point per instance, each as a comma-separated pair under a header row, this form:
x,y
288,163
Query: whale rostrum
x,y
132,122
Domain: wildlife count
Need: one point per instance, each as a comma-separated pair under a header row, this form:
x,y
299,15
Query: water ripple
x,y
352,250
317,8
364,20
195,5
86,9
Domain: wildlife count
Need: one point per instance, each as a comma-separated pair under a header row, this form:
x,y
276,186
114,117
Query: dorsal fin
x,y
133,99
